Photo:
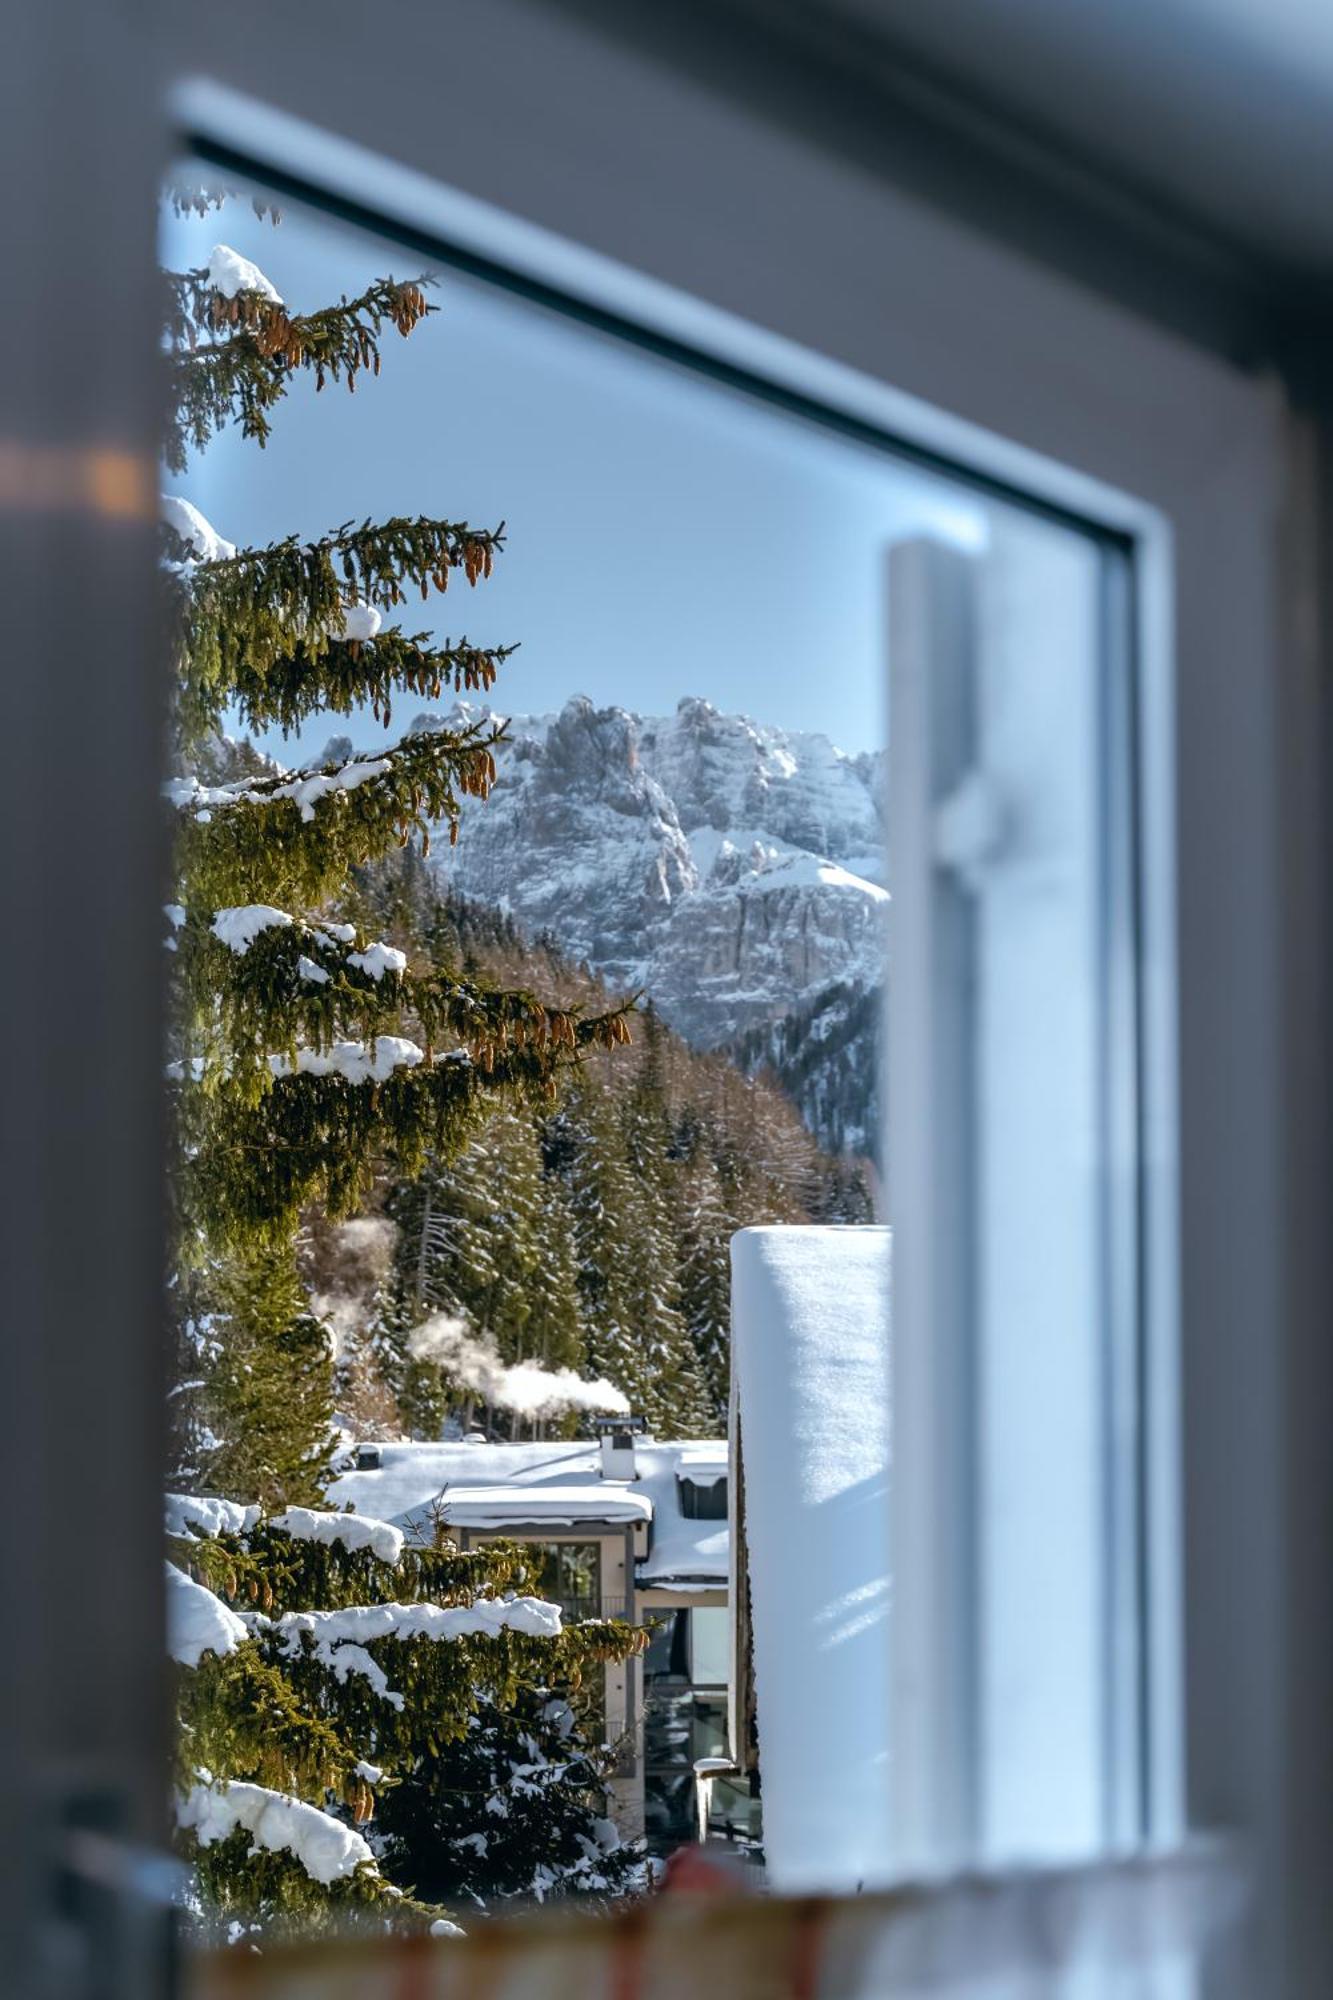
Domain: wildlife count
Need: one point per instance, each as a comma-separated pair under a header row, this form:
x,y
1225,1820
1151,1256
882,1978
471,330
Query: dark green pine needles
x,y
307,1055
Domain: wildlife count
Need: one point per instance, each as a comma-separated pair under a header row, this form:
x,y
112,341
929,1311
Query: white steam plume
x,y
526,1388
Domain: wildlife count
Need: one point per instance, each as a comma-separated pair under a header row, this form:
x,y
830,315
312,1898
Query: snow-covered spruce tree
x,y
472,1235
358,1672
531,1791
626,1261
704,1228
317,1657
489,1238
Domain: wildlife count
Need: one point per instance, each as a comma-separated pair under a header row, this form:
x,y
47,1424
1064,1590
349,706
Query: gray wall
x,y
83,1727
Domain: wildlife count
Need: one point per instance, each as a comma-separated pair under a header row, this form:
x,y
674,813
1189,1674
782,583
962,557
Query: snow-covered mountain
x,y
729,869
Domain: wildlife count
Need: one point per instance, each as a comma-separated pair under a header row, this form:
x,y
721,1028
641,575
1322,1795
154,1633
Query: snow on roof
x,y
810,1361
702,1464
507,1486
500,1506
681,1552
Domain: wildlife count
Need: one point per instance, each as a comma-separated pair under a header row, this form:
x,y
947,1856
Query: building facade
x,y
630,1528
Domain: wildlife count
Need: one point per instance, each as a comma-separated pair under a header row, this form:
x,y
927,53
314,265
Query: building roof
x,y
519,1486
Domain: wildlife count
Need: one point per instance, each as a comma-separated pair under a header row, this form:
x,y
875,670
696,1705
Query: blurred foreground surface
x,y
1134,1930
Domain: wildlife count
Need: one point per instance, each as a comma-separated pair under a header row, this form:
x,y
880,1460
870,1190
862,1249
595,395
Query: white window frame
x,y
531,259
788,263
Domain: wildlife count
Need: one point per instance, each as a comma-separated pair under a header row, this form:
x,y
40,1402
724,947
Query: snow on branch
x,y
360,1624
301,832
359,622
198,1622
189,1514
238,926
319,1131
377,959
358,1062
195,530
354,1531
230,273
339,1640
315,993
251,345
326,1849
305,790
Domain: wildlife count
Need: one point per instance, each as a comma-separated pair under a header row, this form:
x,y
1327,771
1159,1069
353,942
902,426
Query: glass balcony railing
x,y
578,1609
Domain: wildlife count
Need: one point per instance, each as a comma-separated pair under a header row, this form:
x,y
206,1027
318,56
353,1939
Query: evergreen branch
x,y
258,1711
433,1683
299,835
268,1570
296,985
243,1714
342,676
239,379
245,1887
248,1168
190,194
376,558
235,620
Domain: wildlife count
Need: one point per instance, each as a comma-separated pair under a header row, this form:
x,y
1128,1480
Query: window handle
x,y
970,829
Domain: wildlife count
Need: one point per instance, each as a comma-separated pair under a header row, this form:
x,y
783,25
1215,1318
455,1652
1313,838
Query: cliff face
x,y
729,870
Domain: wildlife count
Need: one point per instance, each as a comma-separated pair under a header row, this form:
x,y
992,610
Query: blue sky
x,y
667,537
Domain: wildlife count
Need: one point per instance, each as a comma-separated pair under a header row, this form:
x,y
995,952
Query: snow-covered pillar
x,y
810,1345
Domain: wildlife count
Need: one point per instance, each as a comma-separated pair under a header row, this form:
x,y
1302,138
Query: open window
x,y
1166,462
960,783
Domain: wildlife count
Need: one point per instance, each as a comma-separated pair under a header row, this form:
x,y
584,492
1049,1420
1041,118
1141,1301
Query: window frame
x,y
997,357
461,232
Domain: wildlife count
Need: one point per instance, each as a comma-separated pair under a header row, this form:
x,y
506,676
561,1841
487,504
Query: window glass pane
x,y
669,1728
1014,1043
571,1577
709,1641
666,1652
703,1500
1045,1344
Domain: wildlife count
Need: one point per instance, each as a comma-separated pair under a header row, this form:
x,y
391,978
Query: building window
x,y
572,1578
709,1641
703,1500
685,1718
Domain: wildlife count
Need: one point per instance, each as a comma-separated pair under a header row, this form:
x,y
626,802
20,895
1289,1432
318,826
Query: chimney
x,y
617,1435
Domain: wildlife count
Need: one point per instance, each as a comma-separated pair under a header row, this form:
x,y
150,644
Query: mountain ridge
x,y
726,868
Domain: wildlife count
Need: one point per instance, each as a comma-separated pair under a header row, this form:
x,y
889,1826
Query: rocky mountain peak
x,y
727,867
